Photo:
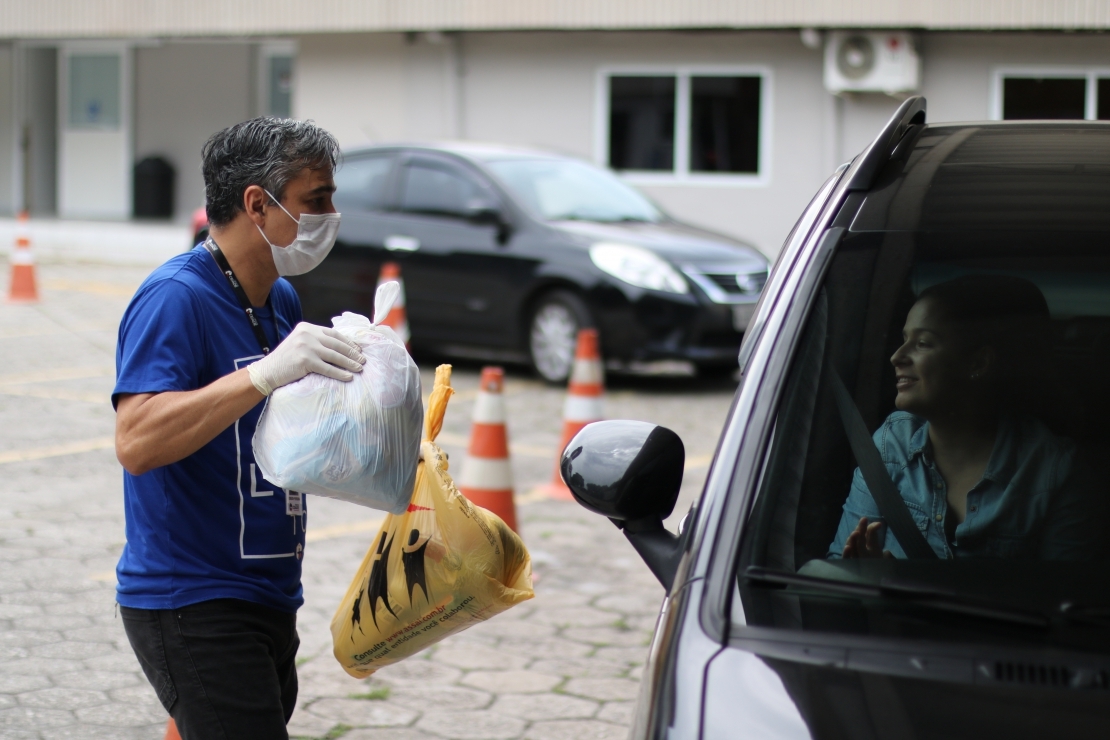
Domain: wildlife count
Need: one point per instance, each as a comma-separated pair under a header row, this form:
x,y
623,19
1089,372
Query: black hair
x,y
268,152
1006,313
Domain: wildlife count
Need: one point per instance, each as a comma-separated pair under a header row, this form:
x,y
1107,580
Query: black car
x,y
999,627
506,253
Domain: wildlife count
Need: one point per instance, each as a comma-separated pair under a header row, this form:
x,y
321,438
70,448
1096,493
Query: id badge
x,y
294,503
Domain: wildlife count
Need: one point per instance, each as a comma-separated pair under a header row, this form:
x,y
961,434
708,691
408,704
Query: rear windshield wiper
x,y
924,596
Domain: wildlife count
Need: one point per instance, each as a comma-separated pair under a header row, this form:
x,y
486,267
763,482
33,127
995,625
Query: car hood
x,y
677,242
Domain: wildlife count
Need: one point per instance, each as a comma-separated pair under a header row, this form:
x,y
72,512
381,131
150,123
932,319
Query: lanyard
x,y
244,301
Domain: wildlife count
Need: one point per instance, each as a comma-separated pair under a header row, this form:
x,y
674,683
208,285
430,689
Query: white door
x,y
94,110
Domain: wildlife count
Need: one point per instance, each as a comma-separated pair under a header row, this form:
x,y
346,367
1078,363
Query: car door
x,y
348,277
459,279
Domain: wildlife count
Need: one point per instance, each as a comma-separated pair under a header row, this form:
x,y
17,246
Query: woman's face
x,y
934,372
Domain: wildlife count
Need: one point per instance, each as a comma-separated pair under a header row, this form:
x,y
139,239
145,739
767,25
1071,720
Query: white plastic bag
x,y
358,441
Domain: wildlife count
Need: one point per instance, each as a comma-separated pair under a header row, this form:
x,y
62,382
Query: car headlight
x,y
637,266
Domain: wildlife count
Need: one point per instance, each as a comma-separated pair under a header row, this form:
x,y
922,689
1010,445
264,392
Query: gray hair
x,y
268,152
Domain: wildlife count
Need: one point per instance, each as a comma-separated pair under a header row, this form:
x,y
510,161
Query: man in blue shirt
x,y
209,580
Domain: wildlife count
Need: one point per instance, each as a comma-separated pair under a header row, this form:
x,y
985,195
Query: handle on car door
x,y
400,243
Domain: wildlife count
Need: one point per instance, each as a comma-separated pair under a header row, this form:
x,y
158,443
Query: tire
x,y
553,333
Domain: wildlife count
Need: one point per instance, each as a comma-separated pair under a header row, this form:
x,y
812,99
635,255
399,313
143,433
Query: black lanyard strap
x,y
244,301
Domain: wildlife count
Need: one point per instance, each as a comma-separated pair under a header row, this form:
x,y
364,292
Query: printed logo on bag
x,y
468,564
412,559
377,585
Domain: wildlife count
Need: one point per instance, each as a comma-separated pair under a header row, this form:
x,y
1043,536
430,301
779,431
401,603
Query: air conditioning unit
x,y
871,61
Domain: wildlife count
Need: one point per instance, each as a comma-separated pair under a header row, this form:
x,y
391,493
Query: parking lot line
x,y
697,462
81,286
69,448
342,530
459,440
57,394
61,373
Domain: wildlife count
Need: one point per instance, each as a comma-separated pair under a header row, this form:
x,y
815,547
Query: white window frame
x,y
265,51
681,174
1091,74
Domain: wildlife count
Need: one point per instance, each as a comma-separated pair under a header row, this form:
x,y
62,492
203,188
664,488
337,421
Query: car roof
x,y
1044,175
472,150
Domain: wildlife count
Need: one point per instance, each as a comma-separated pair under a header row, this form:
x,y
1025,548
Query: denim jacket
x,y
1032,502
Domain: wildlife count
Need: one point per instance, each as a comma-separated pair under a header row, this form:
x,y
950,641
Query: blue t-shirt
x,y
209,526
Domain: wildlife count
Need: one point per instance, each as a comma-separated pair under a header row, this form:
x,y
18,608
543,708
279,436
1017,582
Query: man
x,y
209,580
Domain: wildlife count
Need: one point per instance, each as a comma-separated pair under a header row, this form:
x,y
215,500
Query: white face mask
x,y
316,234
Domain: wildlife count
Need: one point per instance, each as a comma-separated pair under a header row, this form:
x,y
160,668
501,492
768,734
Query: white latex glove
x,y
307,349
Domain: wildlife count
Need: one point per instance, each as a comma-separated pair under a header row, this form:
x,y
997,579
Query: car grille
x,y
1036,674
739,283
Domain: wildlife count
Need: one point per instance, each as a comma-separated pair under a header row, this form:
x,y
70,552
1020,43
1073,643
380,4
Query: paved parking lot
x,y
564,665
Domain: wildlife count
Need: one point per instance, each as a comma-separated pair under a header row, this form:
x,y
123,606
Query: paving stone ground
x,y
565,665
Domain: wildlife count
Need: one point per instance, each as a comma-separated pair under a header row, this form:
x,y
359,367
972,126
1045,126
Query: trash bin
x,y
154,178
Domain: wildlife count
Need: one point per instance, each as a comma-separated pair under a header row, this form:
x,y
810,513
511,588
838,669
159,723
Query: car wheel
x,y
553,334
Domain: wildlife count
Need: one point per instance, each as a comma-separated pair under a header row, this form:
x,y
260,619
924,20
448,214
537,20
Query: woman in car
x,y
979,474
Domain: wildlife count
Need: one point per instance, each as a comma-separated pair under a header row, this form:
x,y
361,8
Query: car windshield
x,y
566,190
939,456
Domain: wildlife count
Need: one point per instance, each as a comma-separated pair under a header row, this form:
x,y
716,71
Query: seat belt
x,y
875,475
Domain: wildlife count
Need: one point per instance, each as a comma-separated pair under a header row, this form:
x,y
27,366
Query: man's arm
x,y
156,429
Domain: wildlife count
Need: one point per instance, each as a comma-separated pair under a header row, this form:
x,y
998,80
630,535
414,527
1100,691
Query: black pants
x,y
223,669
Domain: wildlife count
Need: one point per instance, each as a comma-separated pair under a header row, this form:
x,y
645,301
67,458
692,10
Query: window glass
x,y
964,344
641,123
724,124
280,88
360,183
562,189
1025,98
439,191
94,91
1103,113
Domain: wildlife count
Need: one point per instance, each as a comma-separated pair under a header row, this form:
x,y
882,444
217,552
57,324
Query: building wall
x,y
185,18
354,86
185,92
540,89
8,133
959,66
40,121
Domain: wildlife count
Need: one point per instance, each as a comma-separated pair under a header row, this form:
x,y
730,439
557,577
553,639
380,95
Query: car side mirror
x,y
488,213
631,472
481,211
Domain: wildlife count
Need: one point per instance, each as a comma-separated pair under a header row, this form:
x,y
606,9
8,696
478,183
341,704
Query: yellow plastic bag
x,y
434,570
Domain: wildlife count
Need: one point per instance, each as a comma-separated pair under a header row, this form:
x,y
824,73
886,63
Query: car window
x,y
439,191
361,183
964,339
563,189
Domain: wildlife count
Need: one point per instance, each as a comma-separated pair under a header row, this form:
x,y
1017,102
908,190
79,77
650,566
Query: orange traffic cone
x,y
171,730
583,404
487,476
396,320
22,288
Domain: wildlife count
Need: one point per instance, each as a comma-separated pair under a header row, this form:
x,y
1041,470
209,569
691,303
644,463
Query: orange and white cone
x,y
397,319
487,477
171,730
583,405
22,288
